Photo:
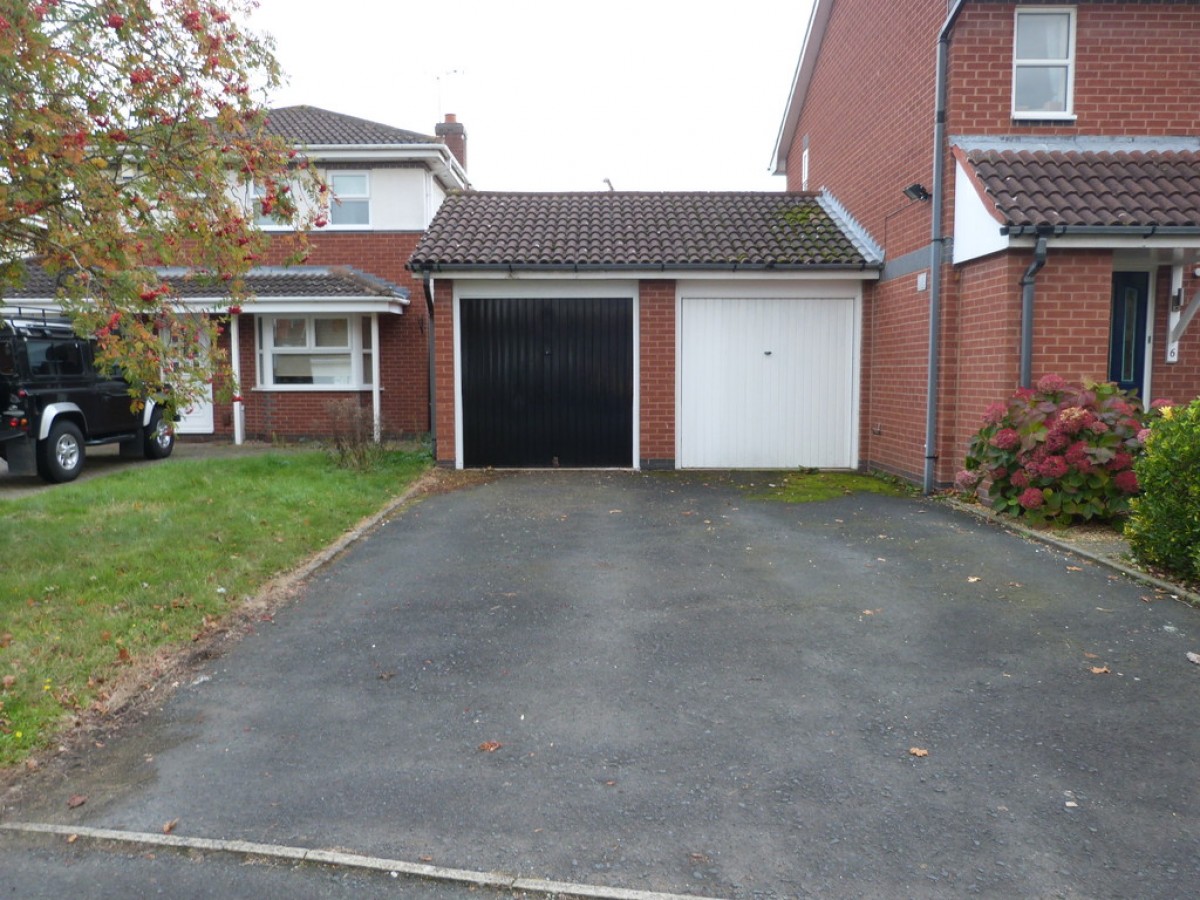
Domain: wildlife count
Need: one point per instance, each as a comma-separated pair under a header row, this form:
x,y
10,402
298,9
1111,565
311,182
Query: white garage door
x,y
768,383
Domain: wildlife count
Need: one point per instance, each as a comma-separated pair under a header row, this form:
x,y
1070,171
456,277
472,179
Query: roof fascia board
x,y
817,20
1123,239
437,156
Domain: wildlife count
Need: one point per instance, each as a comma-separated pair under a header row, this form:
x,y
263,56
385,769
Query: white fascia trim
x,y
271,305
438,156
469,288
817,20
1108,242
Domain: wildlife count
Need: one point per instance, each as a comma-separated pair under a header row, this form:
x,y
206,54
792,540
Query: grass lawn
x,y
99,574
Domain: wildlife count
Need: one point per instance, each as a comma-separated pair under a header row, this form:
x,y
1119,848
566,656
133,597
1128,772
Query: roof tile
x,y
618,229
311,126
1073,188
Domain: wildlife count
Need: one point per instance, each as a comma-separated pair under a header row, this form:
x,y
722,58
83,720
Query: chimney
x,y
453,135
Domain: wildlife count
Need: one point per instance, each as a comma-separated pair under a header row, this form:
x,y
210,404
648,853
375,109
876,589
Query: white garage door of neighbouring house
x,y
768,382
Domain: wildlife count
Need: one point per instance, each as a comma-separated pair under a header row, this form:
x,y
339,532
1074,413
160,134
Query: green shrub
x,y
1060,453
1164,525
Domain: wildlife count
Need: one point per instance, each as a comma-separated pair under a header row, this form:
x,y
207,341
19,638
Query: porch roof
x,y
1147,192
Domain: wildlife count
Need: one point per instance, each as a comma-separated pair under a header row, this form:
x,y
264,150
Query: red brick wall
x,y
1136,66
656,358
404,356
443,335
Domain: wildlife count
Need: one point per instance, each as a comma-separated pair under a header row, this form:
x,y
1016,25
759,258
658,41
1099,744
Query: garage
x,y
547,381
768,381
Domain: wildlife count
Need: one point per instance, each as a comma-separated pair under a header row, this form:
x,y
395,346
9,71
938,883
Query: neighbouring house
x,y
344,324
1032,174
646,330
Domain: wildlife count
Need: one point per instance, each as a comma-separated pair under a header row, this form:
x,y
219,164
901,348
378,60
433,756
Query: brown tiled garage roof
x,y
1091,189
640,231
312,126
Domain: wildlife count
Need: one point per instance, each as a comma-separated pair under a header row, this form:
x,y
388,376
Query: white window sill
x,y
311,388
1027,117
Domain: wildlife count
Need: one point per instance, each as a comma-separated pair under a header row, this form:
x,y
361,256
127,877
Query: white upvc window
x,y
306,352
257,192
350,204
1044,63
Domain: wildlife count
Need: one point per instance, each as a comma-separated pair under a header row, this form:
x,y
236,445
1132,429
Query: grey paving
x,y
692,692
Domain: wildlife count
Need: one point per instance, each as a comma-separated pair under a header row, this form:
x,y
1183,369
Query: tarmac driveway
x,y
656,682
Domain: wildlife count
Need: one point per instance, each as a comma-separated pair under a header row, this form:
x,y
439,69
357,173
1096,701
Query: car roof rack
x,y
37,320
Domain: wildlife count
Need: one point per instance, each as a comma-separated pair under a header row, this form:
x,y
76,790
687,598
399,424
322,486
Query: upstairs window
x,y
1044,63
351,203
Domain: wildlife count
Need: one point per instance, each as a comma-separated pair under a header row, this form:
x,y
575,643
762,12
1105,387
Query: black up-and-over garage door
x,y
547,382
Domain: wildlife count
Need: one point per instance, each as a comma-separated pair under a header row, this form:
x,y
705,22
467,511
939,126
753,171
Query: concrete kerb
x,y
250,849
1177,590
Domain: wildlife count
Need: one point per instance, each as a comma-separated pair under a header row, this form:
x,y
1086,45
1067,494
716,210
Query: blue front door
x,y
1127,343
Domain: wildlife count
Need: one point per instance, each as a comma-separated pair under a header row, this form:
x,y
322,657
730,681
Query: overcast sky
x,y
555,96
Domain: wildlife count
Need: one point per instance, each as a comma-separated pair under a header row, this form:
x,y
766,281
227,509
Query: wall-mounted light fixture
x,y
916,191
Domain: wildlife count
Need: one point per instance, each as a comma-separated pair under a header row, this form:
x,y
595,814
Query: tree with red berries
x,y
131,136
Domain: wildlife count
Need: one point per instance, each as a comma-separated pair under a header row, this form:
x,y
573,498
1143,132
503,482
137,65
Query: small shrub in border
x,y
353,445
1058,453
1164,523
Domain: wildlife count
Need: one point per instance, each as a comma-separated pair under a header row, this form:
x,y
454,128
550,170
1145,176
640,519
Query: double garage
x,y
547,373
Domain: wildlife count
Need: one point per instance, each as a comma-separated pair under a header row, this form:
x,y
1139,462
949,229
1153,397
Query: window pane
x,y
303,368
349,185
290,333
350,212
1043,35
366,332
332,332
1041,88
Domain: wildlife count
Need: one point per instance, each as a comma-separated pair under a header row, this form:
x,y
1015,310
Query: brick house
x,y
1032,174
646,330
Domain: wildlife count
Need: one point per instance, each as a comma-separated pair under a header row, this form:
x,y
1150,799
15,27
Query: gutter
x,y
1131,231
1027,293
936,241
657,269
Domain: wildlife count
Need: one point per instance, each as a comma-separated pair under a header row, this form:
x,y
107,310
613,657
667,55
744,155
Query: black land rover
x,y
54,401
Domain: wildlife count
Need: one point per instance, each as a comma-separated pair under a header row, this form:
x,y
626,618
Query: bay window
x,y
314,351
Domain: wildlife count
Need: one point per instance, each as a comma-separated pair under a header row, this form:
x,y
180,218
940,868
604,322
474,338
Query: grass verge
x,y
97,575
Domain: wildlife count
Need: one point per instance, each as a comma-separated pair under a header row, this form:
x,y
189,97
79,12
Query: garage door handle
x,y
766,353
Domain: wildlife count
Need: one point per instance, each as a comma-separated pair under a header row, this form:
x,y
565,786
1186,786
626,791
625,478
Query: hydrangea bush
x,y
1058,453
1164,524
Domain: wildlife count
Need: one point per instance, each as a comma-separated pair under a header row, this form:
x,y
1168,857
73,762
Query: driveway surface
x,y
656,682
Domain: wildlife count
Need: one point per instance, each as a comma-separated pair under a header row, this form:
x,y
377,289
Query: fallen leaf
x,y
5,640
168,827
8,681
490,746
1087,655
1100,670
1071,804
613,512
1074,568
973,578
72,838
425,859
918,751
123,655
76,800
868,612
1146,599
1194,657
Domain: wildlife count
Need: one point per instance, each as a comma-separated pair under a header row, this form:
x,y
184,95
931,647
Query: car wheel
x,y
160,437
60,455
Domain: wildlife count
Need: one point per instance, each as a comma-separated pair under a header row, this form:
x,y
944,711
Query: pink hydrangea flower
x,y
994,414
1020,478
1051,384
1005,439
1127,481
1032,498
1122,460
967,480
1053,467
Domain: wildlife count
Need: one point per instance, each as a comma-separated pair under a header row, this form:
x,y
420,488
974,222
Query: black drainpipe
x,y
427,285
1027,280
936,245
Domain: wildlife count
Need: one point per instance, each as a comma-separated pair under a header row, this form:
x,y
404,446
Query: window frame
x,y
265,351
334,198
1067,114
